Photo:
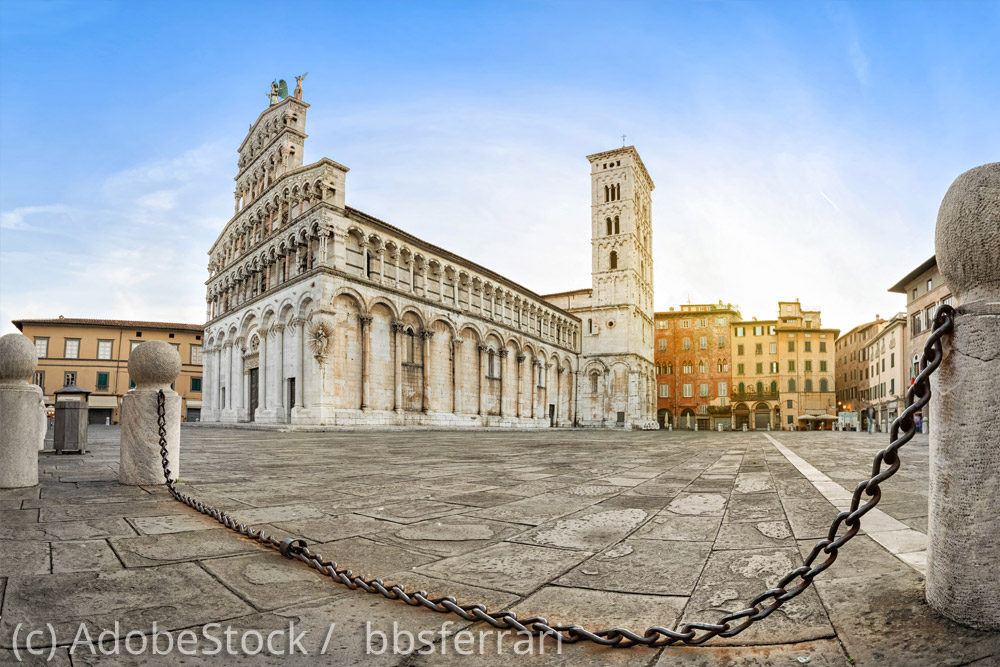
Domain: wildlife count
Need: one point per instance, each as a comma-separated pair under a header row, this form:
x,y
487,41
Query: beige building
x,y
755,368
93,355
852,368
925,290
320,314
887,371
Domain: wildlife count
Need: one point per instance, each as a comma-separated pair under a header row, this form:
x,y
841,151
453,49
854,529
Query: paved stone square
x,y
598,528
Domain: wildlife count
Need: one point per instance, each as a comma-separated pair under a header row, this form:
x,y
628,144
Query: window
x,y
822,346
720,321
723,366
774,386
739,350
688,390
686,343
741,388
685,324
703,343
195,384
760,369
72,350
915,325
809,365
613,260
670,369
791,366
593,383
104,349
929,317
822,366
892,386
702,367
758,331
741,331
789,405
661,324
663,344
42,347
702,322
739,369
723,389
102,381
892,360
69,378
808,346
39,379
914,293
790,418
930,284
791,385
774,366
688,367
703,390
134,344
196,355
664,391
791,346
608,222
722,341
809,385
824,385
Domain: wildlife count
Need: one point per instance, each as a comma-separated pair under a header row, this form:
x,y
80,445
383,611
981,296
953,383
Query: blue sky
x,y
799,149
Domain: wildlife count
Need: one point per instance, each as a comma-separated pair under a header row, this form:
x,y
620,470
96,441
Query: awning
x,y
807,418
103,402
194,404
829,418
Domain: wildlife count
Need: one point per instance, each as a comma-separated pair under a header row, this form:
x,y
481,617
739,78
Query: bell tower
x,y
621,231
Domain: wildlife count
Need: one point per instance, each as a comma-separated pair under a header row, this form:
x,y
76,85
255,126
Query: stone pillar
x,y
152,366
545,391
366,359
229,374
455,343
559,372
397,367
503,371
238,388
22,413
520,383
279,373
300,365
482,379
963,582
425,399
532,383
262,334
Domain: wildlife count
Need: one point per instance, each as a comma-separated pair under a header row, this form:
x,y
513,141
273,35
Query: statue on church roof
x,y
279,91
298,86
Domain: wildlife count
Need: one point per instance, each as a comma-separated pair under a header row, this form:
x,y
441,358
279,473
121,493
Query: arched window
x,y
824,385
743,387
617,227
702,367
809,384
613,261
791,385
491,364
618,191
670,369
593,383
760,387
774,386
590,325
608,221
607,194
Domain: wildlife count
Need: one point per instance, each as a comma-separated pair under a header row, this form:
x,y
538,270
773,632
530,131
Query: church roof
x,y
121,324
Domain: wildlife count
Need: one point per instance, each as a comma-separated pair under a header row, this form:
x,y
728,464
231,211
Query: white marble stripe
x,y
905,543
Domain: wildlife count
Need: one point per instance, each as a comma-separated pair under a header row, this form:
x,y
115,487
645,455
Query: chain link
x,y
902,431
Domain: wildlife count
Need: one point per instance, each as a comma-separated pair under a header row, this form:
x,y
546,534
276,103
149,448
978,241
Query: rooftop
x,y
900,287
118,324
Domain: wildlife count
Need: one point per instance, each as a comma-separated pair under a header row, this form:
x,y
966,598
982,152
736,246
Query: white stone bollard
x,y
22,413
963,582
152,366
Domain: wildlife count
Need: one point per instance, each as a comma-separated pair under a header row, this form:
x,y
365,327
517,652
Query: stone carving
x,y
298,86
319,340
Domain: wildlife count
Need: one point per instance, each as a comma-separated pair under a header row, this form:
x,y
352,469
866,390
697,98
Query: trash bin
x,y
70,436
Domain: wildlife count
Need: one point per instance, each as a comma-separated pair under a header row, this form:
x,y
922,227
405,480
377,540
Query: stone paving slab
x,y
560,524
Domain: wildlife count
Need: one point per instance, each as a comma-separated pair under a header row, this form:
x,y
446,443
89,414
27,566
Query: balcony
x,y
755,396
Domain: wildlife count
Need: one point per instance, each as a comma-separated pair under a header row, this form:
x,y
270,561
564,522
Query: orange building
x,y
692,354
93,354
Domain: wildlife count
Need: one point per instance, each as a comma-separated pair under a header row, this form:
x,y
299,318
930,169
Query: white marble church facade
x,y
319,314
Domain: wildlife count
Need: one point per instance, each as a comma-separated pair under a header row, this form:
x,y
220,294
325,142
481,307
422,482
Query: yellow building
x,y
783,371
93,354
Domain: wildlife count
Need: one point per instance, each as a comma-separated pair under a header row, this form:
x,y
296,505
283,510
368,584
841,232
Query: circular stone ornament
x,y
154,364
18,359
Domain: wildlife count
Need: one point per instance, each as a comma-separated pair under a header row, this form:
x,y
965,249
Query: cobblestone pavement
x,y
598,528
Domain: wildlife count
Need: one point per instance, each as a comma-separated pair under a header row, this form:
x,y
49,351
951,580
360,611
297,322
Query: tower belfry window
x,y
617,227
613,260
609,226
607,193
618,191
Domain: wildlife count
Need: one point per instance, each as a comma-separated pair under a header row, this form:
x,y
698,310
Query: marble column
x,y
365,321
229,374
300,365
397,367
520,383
279,373
455,352
262,374
482,379
559,372
534,381
238,374
503,369
425,400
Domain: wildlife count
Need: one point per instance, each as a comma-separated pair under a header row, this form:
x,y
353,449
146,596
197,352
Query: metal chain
x,y
917,397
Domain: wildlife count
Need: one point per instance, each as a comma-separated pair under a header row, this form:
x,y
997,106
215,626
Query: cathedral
x,y
319,314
